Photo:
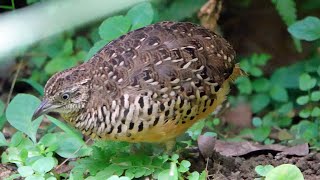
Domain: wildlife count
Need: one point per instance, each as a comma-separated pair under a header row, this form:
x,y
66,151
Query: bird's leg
x,y
170,145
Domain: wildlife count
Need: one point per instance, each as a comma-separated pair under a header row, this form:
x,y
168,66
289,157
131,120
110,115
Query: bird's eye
x,y
65,96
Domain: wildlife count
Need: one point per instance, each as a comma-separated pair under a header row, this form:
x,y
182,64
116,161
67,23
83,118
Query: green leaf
x,y
83,43
179,10
279,93
171,173
306,29
263,170
60,63
261,133
261,85
114,27
306,82
302,100
3,141
287,10
140,15
44,164
38,87
66,128
256,121
315,96
68,147
245,65
194,176
285,171
255,71
96,47
285,108
315,112
260,59
244,85
184,166
306,130
35,177
25,171
259,102
19,114
305,113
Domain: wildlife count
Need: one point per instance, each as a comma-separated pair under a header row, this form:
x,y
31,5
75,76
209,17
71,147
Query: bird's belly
x,y
163,132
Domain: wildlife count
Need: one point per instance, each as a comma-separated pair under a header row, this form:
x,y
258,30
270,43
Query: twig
x,y
14,82
72,154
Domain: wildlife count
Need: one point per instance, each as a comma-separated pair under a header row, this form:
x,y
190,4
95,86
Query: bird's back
x,y
153,83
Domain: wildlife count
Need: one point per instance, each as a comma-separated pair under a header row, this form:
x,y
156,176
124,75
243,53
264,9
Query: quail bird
x,y
149,85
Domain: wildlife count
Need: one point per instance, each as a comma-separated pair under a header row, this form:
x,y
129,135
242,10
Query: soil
x,y
238,168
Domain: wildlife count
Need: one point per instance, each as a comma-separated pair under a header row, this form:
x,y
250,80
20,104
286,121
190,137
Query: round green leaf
x,y
315,96
302,100
263,170
306,29
95,48
256,121
25,171
19,114
306,82
194,176
315,112
285,108
140,15
244,85
259,102
35,177
114,27
44,165
171,173
261,133
279,94
261,85
285,171
305,113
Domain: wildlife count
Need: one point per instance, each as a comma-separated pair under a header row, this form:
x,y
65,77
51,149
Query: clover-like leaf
x,y
19,114
140,15
279,93
306,29
263,170
285,171
306,82
44,164
114,27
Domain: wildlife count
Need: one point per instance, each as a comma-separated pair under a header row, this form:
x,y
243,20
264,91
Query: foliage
x,y
284,171
307,29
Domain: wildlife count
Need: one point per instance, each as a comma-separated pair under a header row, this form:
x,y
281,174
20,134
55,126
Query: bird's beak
x,y
43,108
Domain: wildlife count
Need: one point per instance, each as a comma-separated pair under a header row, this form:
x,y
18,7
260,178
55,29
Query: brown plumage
x,y
149,85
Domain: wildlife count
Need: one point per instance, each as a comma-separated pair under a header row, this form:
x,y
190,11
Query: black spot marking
x,y
110,131
122,100
183,122
166,113
150,110
169,103
202,93
162,107
211,103
181,104
216,88
119,128
192,118
189,111
131,125
204,109
140,127
141,102
156,121
125,112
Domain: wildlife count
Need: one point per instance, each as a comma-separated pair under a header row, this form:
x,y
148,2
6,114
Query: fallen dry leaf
x,y
242,148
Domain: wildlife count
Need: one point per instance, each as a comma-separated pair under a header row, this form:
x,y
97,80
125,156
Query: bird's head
x,y
66,92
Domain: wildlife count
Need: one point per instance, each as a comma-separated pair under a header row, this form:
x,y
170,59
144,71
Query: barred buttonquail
x,y
149,85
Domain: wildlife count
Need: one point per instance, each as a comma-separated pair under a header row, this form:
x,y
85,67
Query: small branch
x,y
14,82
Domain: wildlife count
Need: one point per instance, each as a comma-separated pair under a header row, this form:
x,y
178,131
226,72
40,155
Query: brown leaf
x,y
242,148
206,145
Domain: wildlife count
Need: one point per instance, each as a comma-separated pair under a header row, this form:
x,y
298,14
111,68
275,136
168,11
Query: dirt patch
x,y
238,168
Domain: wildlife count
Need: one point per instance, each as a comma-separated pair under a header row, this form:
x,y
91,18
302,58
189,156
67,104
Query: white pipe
x,y
23,27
